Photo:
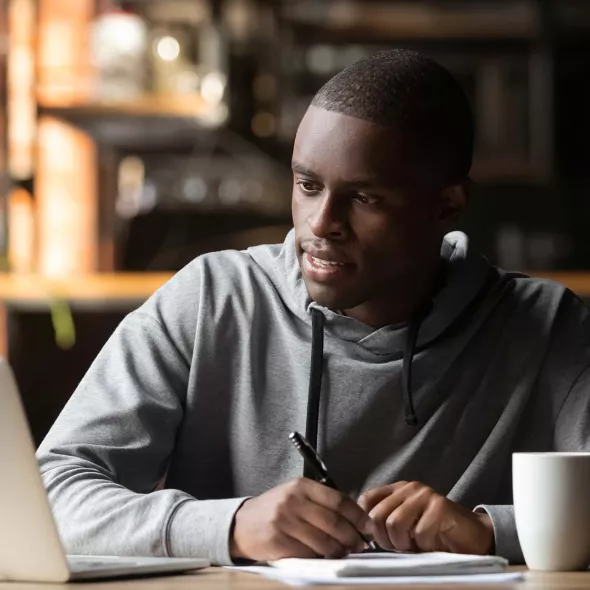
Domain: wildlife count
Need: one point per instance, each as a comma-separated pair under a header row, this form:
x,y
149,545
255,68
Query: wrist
x,y
235,549
489,543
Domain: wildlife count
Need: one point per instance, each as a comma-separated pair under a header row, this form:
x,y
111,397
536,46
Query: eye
x,y
308,188
366,199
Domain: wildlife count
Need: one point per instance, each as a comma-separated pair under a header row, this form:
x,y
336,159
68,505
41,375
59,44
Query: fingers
x,y
300,518
335,526
401,522
321,543
426,531
396,516
284,545
340,504
369,499
413,517
447,526
323,519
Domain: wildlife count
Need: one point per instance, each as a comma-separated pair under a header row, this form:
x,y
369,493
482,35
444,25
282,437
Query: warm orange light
x,y
66,200
66,186
22,108
64,72
21,231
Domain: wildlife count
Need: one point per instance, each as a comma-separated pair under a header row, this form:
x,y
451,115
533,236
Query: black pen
x,y
311,457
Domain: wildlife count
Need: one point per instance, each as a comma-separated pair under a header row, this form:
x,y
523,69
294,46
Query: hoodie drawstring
x,y
317,365
315,383
409,350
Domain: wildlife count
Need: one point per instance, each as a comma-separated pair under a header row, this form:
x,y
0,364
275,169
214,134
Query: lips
x,y
325,256
323,269
322,262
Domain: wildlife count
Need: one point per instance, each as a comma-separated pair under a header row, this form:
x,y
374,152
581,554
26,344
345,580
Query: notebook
x,y
393,564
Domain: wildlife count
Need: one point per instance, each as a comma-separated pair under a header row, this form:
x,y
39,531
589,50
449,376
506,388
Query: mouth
x,y
322,269
323,262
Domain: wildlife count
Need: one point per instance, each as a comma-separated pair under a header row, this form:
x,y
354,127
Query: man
x,y
427,366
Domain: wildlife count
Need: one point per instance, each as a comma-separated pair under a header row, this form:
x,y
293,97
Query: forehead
x,y
337,146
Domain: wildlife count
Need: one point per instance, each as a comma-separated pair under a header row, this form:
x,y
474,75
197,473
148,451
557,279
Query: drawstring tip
x,y
411,419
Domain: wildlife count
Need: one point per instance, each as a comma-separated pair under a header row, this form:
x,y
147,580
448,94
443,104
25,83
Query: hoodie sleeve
x,y
506,540
106,456
572,434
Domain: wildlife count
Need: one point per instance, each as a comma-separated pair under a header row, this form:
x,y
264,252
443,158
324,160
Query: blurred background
x,y
135,135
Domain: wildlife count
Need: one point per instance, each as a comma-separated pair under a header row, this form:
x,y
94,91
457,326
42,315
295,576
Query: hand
x,y
301,518
413,517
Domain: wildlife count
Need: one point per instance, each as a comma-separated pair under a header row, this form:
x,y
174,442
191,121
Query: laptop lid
x,y
30,547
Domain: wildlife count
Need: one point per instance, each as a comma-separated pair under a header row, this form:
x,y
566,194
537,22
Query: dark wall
x,y
46,374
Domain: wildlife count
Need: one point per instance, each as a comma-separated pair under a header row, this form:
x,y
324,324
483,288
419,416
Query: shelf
x,y
149,121
421,20
125,290
189,106
100,290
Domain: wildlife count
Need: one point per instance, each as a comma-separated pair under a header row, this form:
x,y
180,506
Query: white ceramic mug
x,y
552,509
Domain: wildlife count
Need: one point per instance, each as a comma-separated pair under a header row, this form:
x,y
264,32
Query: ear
x,y
452,202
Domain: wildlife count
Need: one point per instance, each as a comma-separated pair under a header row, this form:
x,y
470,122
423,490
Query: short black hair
x,y
417,97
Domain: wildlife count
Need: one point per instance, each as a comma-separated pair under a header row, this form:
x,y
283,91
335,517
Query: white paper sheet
x,y
292,580
394,564
388,568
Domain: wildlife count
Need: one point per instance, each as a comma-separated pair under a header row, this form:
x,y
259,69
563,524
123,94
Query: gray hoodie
x,y
187,409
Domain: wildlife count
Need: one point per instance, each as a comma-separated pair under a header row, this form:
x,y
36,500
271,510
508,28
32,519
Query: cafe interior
x,y
136,135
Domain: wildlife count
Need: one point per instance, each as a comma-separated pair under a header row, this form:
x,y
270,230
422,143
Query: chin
x,y
331,298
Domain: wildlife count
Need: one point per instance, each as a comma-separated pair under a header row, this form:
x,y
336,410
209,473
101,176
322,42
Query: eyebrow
x,y
361,183
300,169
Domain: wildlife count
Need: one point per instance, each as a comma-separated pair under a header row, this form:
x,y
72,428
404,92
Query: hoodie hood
x,y
466,274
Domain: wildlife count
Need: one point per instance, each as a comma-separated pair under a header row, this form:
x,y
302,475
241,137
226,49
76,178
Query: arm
x,y
444,526
107,454
108,451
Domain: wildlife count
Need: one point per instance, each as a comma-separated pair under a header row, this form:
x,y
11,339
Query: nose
x,y
328,218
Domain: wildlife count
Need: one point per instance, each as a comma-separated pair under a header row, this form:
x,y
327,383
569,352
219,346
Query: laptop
x,y
30,547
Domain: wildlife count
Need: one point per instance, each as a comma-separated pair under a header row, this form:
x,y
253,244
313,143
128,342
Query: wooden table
x,y
220,579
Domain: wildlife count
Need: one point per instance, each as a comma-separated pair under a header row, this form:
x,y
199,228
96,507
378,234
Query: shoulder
x,y
541,291
212,289
211,281
235,276
548,303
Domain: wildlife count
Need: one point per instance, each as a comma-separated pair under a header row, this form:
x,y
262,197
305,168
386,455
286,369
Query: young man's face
x,y
359,235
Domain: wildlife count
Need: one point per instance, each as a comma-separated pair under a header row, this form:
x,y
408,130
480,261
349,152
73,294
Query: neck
x,y
386,310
